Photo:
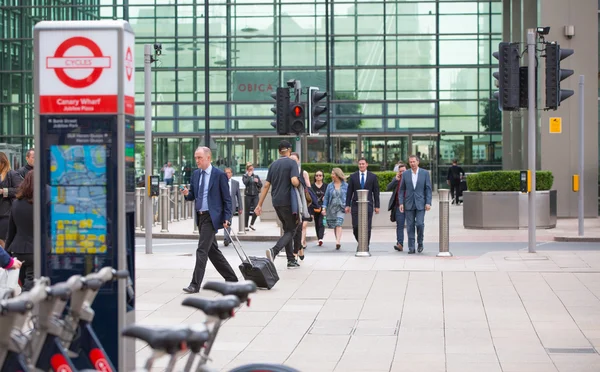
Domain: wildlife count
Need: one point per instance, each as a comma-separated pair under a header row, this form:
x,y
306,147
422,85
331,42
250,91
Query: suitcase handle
x,y
237,246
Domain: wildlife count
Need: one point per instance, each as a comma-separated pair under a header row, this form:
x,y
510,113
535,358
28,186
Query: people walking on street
x,y
19,240
28,167
282,175
10,181
414,198
168,173
210,192
236,202
333,204
253,187
362,180
319,187
394,207
454,178
300,244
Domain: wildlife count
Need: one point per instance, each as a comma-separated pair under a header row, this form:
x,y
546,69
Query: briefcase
x,y
258,269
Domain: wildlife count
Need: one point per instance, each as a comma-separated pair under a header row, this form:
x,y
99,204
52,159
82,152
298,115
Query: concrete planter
x,y
507,210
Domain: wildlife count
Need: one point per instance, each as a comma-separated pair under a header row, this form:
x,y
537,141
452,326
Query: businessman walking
x,y
362,180
414,198
210,191
236,201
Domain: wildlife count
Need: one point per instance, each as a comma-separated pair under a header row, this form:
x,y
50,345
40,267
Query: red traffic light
x,y
297,111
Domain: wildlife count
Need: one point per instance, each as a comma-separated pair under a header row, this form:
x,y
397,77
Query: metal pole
x,y
580,211
299,146
195,222
363,224
327,87
176,204
532,122
164,209
241,217
148,143
142,215
206,77
444,223
182,206
138,207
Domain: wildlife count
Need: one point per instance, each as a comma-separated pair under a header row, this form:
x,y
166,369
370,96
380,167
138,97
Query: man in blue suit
x,y
414,198
210,191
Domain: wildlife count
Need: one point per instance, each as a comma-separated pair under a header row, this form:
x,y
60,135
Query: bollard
x,y
195,222
138,215
363,224
444,223
175,196
241,219
164,209
142,210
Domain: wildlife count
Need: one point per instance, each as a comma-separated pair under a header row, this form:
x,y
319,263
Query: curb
x,y
242,238
580,239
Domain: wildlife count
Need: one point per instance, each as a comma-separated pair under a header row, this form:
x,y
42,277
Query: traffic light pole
x,y
532,126
581,158
148,210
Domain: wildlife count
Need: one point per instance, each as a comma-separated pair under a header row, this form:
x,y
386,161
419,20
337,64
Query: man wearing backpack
x,y
455,176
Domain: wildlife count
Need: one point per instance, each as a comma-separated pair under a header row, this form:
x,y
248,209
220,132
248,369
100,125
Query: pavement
x,y
492,307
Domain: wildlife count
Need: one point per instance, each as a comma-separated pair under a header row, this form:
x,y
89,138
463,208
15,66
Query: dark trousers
x,y
26,274
319,227
250,203
455,190
354,211
298,238
208,249
289,223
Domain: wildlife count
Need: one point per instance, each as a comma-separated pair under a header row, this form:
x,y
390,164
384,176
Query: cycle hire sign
x,y
78,71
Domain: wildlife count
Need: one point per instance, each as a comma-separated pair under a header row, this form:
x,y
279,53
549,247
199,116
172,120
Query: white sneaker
x,y
246,229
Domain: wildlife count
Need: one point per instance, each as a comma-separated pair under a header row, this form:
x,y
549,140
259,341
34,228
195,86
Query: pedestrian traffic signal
x,y
554,75
508,56
314,110
281,111
296,120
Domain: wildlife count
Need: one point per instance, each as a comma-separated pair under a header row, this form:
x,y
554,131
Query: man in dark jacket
x,y
455,176
362,180
29,158
394,207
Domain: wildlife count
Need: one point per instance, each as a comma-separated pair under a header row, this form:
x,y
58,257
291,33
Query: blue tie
x,y
362,180
200,192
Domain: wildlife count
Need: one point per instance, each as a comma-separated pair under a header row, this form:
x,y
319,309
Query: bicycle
x,y
175,342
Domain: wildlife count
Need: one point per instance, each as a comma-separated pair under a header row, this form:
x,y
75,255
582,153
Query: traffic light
x,y
554,75
314,110
296,119
281,111
508,76
524,87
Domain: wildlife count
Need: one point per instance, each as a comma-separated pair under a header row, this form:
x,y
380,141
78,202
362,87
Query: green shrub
x,y
506,181
327,167
383,177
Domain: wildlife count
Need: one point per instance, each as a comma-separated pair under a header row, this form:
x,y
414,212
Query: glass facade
x,y
402,76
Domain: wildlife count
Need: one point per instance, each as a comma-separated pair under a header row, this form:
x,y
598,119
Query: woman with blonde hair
x,y
9,183
334,203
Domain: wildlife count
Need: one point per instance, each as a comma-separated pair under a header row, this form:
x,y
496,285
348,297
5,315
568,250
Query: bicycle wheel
x,y
264,367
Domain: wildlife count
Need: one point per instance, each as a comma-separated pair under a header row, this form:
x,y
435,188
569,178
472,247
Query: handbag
x,y
9,280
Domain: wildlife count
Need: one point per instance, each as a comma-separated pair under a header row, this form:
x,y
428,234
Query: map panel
x,y
78,199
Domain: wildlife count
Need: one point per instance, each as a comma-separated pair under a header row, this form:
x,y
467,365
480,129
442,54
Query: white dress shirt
x,y
415,177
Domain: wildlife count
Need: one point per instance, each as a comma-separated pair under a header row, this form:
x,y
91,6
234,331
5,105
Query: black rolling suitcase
x,y
258,269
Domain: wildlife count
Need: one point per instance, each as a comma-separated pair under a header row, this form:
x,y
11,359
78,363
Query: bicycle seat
x,y
221,307
169,340
239,289
197,337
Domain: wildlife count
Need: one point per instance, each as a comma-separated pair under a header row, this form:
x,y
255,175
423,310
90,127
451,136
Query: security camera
x,y
158,49
291,83
543,30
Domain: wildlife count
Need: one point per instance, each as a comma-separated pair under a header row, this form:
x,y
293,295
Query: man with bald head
x,y
209,189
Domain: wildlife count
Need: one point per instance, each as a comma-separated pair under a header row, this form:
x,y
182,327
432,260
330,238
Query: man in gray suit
x,y
236,201
414,198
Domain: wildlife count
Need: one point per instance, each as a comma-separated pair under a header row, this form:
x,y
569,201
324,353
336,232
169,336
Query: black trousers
x,y
319,227
26,274
289,223
354,211
455,190
250,203
208,249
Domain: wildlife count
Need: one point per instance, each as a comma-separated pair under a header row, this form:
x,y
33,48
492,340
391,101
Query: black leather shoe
x,y
420,248
226,243
412,251
191,289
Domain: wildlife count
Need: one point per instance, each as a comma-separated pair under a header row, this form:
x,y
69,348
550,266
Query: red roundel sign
x,y
128,63
96,62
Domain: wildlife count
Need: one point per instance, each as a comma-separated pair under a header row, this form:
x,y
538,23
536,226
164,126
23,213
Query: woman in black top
x,y
251,194
19,241
319,187
9,182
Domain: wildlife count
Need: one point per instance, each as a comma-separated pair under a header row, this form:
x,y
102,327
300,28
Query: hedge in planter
x,y
383,177
506,181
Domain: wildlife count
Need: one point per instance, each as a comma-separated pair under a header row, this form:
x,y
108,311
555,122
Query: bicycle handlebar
x,y
16,305
60,290
107,274
93,284
121,274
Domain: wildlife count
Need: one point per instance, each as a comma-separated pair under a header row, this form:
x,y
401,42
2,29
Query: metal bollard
x,y
363,224
176,203
241,218
142,210
164,209
195,222
444,223
138,215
